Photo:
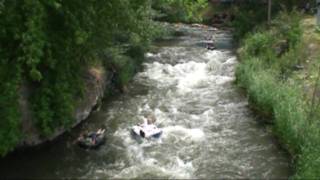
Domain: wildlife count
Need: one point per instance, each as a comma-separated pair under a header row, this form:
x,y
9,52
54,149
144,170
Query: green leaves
x,y
180,10
10,119
49,44
81,37
33,38
1,5
35,74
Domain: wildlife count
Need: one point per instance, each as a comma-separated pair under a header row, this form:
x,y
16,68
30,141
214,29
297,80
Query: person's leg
x,y
142,134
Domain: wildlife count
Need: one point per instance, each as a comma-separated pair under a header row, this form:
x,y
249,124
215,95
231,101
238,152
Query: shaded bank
x,y
96,81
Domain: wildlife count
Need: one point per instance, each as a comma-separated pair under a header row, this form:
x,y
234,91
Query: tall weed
x,y
261,73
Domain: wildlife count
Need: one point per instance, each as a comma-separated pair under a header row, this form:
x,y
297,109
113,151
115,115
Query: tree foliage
x,y
180,10
49,43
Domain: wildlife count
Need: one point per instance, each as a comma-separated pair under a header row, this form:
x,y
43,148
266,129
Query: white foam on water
x,y
220,80
215,54
186,77
234,105
148,54
180,169
173,110
145,108
183,133
142,162
183,76
190,75
188,111
177,169
214,66
231,61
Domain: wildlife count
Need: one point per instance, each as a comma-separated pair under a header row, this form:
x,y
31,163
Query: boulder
x,y
95,81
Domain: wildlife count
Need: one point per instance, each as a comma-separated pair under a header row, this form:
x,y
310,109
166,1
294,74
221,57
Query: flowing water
x,y
208,130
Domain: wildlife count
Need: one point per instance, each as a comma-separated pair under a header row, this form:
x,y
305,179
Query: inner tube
x,y
138,131
87,142
211,48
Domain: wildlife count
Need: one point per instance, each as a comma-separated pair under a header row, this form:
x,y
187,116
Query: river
x,y
208,129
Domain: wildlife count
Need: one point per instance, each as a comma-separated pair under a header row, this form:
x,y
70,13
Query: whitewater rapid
x,y
208,129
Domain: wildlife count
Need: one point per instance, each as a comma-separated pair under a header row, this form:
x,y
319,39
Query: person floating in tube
x,y
210,44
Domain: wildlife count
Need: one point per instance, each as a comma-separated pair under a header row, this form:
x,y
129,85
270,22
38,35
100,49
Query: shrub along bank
x,y
48,45
280,71
187,11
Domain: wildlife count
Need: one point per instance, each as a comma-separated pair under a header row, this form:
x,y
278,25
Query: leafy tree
x,y
50,43
180,10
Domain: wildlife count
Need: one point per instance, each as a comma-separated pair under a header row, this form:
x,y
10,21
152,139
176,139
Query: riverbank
x,y
280,71
47,48
96,81
208,129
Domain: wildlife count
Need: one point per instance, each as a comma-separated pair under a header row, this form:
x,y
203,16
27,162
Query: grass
x,y
290,97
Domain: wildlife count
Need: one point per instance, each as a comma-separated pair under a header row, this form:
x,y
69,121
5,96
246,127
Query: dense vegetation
x,y
280,71
253,13
180,10
47,45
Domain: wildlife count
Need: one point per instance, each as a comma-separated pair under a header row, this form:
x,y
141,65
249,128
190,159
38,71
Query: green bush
x,y
309,161
291,29
10,121
180,10
50,43
247,17
125,69
267,77
259,45
262,91
290,117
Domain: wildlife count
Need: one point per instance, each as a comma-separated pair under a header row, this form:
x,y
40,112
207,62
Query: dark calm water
x,y
209,132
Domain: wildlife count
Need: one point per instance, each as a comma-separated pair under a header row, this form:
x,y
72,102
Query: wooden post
x,y
269,10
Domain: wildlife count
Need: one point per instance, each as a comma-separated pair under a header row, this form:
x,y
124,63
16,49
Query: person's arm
x,y
145,121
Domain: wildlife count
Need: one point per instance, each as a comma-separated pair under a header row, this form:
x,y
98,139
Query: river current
x,y
208,129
